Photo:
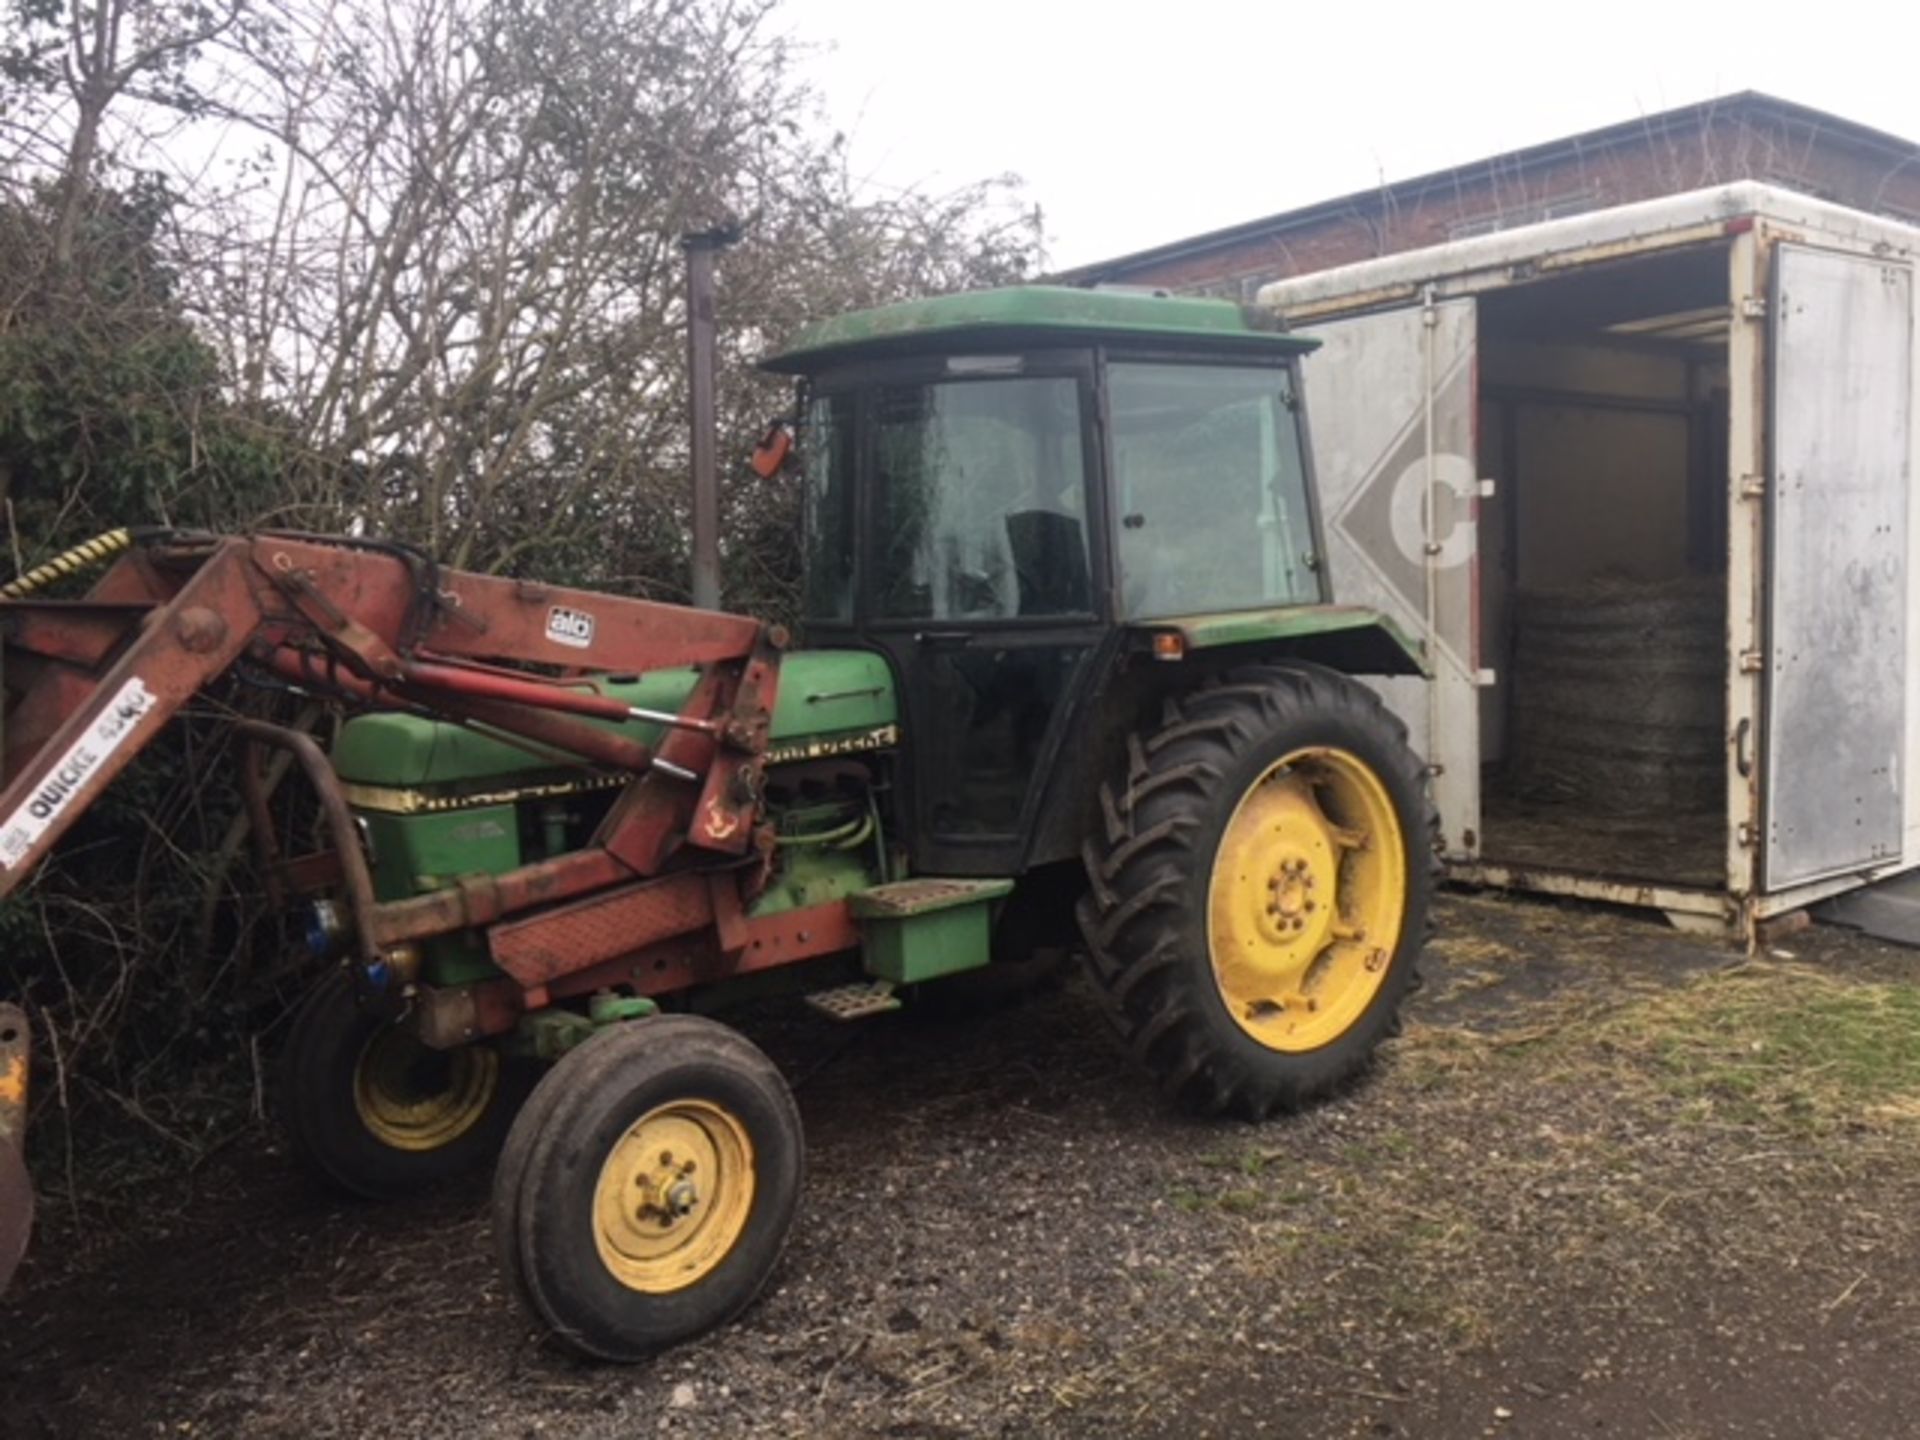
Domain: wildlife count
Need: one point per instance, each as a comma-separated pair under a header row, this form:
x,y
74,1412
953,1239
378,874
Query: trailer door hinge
x,y
1484,489
1752,662
1753,487
1748,836
1754,307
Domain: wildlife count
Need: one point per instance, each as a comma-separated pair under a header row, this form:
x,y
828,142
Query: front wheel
x,y
372,1112
1258,898
647,1190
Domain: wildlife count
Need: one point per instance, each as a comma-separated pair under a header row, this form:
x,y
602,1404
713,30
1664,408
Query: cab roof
x,y
1025,315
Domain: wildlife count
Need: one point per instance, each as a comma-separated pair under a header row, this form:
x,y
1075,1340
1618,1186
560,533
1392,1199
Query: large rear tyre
x,y
372,1112
648,1189
1258,896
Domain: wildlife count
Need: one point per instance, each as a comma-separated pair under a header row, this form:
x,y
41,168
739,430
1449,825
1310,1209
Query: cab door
x,y
983,589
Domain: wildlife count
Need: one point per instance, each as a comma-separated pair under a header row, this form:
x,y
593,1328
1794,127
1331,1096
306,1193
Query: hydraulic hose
x,y
68,562
841,837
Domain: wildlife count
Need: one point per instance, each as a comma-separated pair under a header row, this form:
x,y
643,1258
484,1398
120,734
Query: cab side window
x,y
1209,489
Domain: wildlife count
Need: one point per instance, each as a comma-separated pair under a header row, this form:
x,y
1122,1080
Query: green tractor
x,y
1073,678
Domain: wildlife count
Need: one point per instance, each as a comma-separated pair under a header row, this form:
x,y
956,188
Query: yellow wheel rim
x,y
413,1097
674,1196
1307,899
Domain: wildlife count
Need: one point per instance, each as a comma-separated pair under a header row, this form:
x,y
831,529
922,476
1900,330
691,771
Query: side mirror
x,y
770,451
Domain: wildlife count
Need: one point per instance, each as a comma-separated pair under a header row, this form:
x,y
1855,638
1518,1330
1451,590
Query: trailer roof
x,y
1507,256
1028,314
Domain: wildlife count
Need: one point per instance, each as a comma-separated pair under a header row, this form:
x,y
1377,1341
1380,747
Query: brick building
x,y
1748,136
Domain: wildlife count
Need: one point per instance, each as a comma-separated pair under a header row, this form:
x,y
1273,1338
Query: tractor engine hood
x,y
830,702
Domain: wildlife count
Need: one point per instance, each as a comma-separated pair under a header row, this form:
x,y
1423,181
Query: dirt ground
x,y
1613,1181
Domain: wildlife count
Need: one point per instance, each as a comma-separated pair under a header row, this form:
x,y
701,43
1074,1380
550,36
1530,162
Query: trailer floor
x,y
1678,850
1614,1181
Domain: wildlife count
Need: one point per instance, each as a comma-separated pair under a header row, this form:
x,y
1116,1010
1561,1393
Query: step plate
x,y
856,1001
902,899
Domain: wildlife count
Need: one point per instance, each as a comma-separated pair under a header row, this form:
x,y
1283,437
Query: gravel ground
x,y
1614,1181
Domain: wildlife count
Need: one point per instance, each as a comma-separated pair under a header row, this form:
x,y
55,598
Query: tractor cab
x,y
1017,496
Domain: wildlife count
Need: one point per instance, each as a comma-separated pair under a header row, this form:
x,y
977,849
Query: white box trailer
x,y
1642,479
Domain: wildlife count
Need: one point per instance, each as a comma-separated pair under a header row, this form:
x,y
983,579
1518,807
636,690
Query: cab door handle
x,y
942,639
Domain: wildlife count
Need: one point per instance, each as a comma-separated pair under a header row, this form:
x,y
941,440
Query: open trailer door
x,y
1840,447
1391,403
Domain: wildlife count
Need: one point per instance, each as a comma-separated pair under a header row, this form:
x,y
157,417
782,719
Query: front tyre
x,y
1258,898
372,1112
649,1187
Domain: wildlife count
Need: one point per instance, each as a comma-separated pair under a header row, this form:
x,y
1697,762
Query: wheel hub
x,y
1292,887
412,1097
1310,866
674,1195
668,1192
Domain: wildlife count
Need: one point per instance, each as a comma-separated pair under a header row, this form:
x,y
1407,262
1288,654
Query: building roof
x,y
1750,105
1028,314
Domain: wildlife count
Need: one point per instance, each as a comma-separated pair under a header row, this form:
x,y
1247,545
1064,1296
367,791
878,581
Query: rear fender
x,y
1350,638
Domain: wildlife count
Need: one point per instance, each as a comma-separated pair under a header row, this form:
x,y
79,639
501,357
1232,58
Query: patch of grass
x,y
1386,1145
1776,1045
1238,1200
1246,1161
1764,1044
1464,948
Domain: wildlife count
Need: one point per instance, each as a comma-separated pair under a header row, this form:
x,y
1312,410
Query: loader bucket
x,y
16,1191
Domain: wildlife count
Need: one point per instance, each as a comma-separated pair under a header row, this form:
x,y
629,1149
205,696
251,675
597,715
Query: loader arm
x,y
89,683
92,682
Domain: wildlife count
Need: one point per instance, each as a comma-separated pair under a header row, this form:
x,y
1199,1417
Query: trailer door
x,y
1840,447
1391,410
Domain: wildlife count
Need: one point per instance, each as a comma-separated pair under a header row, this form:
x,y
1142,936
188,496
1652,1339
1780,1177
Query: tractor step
x,y
856,1001
904,898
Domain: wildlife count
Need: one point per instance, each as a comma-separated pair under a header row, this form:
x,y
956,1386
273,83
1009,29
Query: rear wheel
x,y
649,1187
371,1111
1258,897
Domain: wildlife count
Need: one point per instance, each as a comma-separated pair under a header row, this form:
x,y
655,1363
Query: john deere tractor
x,y
1072,676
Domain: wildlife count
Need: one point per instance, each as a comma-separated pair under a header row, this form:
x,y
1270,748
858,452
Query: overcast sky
x,y
1136,124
